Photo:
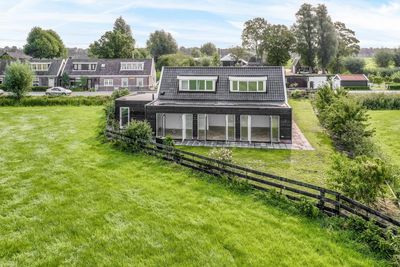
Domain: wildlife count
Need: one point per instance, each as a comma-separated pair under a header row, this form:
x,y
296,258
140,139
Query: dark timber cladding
x,y
253,99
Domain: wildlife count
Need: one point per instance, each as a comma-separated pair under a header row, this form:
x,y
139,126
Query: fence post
x,y
338,204
321,203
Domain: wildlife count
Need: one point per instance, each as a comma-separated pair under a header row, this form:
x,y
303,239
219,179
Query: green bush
x,y
55,101
376,78
355,88
140,132
39,88
395,77
307,208
383,72
18,79
354,64
169,141
379,101
120,93
364,179
383,58
394,86
297,94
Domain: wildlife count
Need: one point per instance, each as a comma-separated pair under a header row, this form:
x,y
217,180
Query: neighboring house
x,y
111,74
350,81
228,104
298,67
47,71
14,55
229,60
308,81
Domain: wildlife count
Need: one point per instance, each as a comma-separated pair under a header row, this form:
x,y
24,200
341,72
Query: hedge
x,y
379,101
361,87
55,101
39,88
393,86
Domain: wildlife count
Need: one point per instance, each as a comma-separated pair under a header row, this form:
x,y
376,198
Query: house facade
x,y
111,74
306,81
46,71
226,104
350,81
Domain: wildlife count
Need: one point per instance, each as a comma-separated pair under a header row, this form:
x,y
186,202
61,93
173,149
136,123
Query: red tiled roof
x,y
353,77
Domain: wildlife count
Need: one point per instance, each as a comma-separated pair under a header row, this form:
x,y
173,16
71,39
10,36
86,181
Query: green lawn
x,y
387,126
68,199
309,166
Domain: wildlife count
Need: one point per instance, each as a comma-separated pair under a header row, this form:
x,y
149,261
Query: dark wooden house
x,y
230,104
350,81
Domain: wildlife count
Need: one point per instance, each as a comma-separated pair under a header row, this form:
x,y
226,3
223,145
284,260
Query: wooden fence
x,y
328,201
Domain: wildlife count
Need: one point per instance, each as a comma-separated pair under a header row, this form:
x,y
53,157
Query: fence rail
x,y
328,201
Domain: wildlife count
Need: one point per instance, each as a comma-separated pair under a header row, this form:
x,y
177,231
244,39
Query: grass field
x,y
309,166
68,199
387,126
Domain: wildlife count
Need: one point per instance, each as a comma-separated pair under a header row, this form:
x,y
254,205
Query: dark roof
x,y
55,65
16,55
112,67
275,85
3,65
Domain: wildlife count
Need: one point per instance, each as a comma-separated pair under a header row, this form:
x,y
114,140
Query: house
x,y
14,55
220,104
350,81
111,74
306,81
47,71
229,60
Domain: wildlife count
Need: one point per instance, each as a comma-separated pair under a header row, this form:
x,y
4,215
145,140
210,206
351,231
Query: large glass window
x,y
160,122
230,131
201,126
173,125
244,128
275,134
187,126
248,84
260,128
124,116
216,128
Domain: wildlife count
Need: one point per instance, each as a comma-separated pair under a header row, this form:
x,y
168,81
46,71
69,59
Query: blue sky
x,y
80,22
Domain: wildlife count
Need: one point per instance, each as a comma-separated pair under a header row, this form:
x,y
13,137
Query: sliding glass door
x,y
216,127
259,128
178,126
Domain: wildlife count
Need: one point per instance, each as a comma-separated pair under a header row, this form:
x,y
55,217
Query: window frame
x,y
142,82
236,84
107,83
120,116
200,81
132,66
124,80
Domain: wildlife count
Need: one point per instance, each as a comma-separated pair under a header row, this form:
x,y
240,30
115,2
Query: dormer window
x,y
197,83
85,66
40,66
132,65
248,84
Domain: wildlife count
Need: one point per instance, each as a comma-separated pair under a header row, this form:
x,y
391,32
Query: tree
x,y
253,35
348,44
277,44
174,60
196,53
161,43
141,53
237,52
117,43
208,49
216,61
18,79
65,80
396,58
44,44
305,31
354,64
326,38
383,58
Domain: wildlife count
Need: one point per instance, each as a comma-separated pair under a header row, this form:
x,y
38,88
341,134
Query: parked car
x,y
58,91
2,92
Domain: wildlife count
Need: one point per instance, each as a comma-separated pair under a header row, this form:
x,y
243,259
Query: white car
x,y
58,91
2,92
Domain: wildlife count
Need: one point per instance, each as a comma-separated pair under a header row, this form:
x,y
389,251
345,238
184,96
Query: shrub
x,y
120,93
169,141
354,64
55,101
307,208
379,101
39,88
363,178
376,79
296,94
139,132
383,58
221,154
394,86
395,77
18,79
355,88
